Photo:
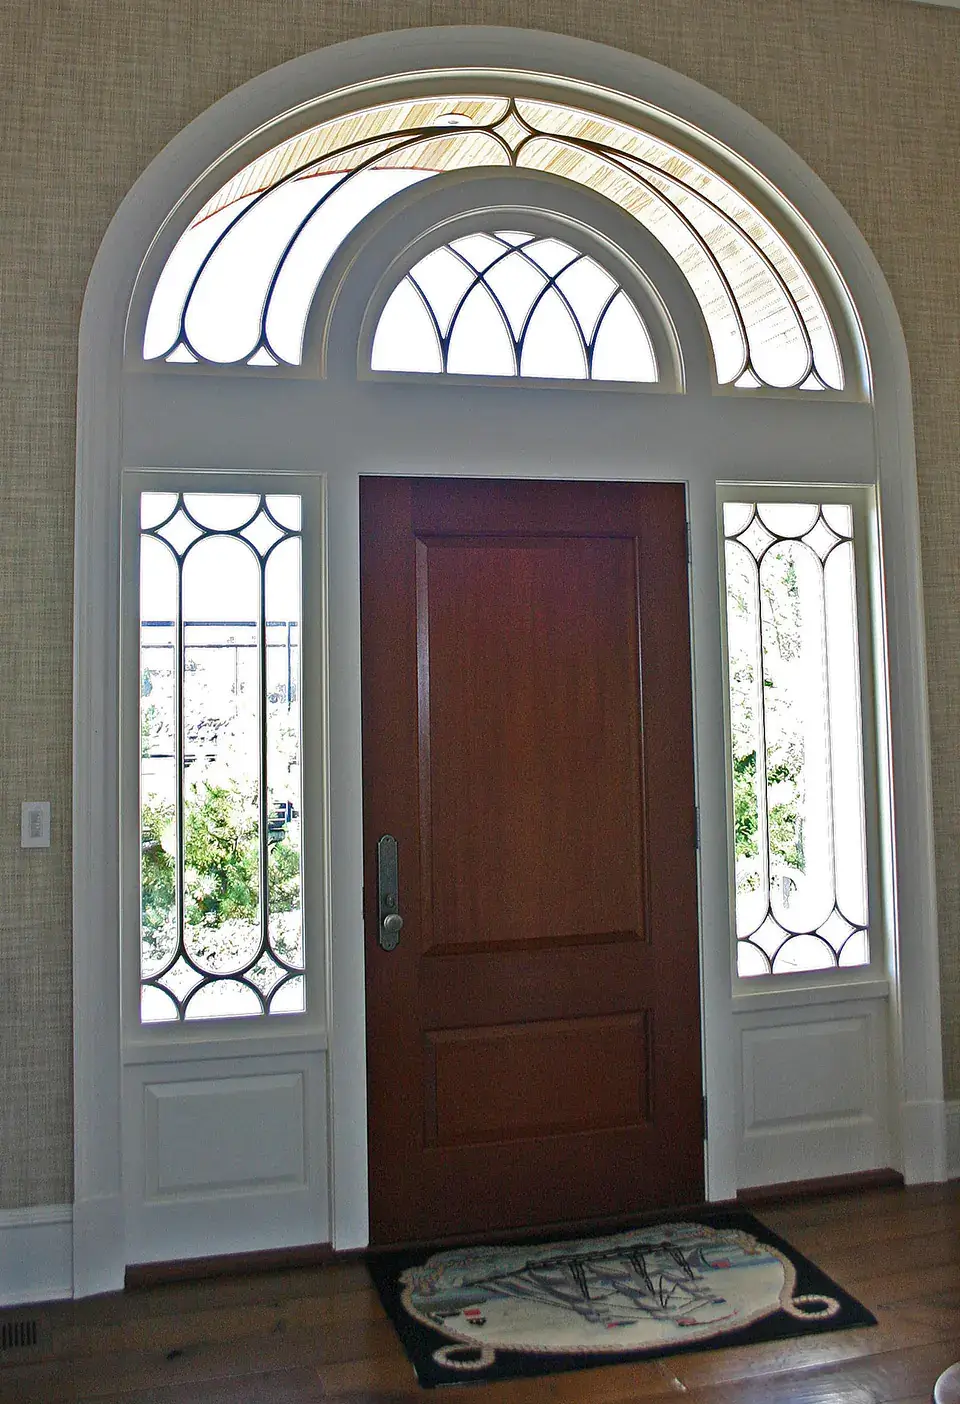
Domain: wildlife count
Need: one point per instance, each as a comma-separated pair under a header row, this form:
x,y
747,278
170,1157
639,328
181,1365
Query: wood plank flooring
x,y
320,1334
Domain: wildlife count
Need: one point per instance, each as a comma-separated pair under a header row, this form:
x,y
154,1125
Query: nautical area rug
x,y
719,1279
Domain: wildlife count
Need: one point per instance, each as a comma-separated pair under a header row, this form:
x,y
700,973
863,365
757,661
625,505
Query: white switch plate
x,y
35,824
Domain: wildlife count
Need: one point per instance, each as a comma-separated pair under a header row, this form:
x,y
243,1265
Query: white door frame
x,y
98,1221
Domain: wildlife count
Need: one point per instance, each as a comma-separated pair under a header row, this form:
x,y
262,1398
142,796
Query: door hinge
x,y
686,532
696,828
704,1116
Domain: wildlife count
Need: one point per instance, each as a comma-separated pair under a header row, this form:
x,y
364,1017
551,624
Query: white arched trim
x,y
340,332
191,162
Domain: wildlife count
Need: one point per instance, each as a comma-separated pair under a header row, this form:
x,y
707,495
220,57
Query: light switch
x,y
35,824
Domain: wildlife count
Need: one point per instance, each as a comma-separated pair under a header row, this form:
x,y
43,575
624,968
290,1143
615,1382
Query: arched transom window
x,y
238,286
508,303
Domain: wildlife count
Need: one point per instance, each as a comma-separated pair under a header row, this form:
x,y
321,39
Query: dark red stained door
x,y
533,1042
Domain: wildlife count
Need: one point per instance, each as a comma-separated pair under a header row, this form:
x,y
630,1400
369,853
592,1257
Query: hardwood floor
x,y
320,1334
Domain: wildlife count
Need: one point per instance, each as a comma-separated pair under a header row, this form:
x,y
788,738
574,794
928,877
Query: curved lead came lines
x,y
511,133
498,277
194,972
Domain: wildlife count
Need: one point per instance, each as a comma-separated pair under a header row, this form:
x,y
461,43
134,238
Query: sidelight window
x,y
221,929
796,749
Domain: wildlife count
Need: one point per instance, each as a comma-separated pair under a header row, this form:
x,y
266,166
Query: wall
x,y
865,90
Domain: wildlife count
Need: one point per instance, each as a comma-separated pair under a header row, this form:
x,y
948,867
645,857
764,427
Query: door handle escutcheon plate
x,y
389,920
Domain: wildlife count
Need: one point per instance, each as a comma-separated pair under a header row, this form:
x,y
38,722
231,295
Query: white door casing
x,y
335,429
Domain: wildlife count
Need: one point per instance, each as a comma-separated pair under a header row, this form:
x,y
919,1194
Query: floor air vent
x,y
23,1334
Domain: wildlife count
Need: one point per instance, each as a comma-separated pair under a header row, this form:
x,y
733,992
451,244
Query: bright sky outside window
x,y
510,303
221,924
797,755
238,285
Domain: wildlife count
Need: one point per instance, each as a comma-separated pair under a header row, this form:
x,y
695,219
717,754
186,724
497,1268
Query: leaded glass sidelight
x,y
238,285
221,919
796,737
512,303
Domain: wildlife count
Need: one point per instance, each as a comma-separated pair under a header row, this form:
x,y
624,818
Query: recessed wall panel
x,y
208,1137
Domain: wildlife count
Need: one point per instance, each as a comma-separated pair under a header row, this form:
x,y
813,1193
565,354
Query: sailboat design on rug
x,y
647,1290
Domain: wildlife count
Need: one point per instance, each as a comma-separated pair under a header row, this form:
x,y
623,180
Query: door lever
x,y
388,894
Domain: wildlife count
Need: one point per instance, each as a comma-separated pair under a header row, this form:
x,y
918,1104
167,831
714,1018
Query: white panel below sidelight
x,y
814,1092
225,1156
235,1133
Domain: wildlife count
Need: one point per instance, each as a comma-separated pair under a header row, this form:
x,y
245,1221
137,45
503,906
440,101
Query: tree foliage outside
x,y
221,877
785,757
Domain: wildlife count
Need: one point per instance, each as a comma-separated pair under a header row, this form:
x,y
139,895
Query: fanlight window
x,y
795,732
238,285
510,303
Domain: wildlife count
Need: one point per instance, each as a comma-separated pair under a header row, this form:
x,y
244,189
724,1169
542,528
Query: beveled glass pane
x,y
289,998
222,738
846,751
163,322
306,261
788,518
588,288
221,511
799,802
479,250
480,343
553,347
855,950
751,961
623,349
406,339
158,759
551,254
262,533
284,759
803,953
224,313
747,754
223,999
443,279
156,1007
839,517
156,507
284,507
180,532
736,517
516,284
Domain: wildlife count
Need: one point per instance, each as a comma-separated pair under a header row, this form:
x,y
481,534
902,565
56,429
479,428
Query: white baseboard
x,y
952,1117
923,1137
36,1254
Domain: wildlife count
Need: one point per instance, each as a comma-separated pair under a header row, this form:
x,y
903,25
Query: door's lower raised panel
x,y
225,1157
814,1094
526,1080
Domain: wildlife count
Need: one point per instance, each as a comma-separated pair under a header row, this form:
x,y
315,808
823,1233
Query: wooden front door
x,y
533,1041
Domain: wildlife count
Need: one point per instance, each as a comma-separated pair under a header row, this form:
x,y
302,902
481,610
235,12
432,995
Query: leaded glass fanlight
x,y
238,285
512,304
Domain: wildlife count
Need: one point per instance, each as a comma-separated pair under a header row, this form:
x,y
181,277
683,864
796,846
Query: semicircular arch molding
x,y
343,319
245,125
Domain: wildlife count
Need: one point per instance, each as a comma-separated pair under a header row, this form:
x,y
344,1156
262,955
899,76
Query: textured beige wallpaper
x,y
867,91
